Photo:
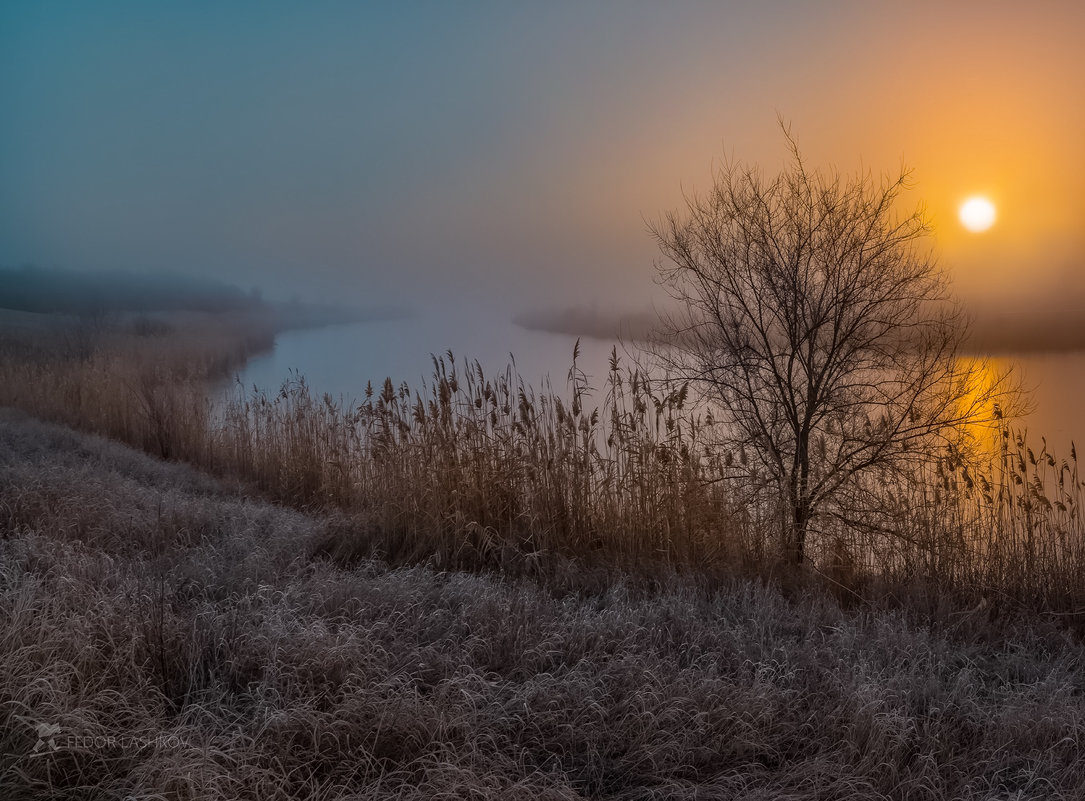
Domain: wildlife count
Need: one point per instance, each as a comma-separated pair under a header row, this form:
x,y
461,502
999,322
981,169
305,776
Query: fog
x,y
507,161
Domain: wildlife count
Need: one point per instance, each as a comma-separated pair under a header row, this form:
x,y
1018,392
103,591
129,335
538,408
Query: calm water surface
x,y
340,359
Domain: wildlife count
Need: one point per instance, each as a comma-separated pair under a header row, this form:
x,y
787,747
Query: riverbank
x,y
481,471
140,378
164,633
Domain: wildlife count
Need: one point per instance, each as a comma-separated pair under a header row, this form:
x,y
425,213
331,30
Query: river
x,y
340,359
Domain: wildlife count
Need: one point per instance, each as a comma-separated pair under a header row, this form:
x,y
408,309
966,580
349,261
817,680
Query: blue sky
x,y
508,155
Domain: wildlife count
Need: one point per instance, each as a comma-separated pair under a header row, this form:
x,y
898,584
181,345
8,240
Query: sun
x,y
977,214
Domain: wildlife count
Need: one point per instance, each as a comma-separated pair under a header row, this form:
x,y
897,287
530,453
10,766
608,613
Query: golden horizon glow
x,y
977,214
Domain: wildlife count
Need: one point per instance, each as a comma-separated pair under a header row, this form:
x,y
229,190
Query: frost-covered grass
x,y
189,642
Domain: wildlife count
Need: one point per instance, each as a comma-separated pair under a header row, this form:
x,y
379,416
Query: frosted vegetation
x,y
230,655
478,471
782,576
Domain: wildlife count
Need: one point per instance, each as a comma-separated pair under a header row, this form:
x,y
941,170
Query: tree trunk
x,y
800,519
800,503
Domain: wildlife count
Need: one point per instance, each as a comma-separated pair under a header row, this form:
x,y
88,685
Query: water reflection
x,y
339,360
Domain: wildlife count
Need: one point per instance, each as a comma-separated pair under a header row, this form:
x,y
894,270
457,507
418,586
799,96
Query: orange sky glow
x,y
512,157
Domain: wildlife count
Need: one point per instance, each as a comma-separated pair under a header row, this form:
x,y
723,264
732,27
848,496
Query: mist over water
x,y
340,359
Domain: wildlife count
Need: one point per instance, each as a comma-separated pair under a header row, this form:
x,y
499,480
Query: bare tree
x,y
812,314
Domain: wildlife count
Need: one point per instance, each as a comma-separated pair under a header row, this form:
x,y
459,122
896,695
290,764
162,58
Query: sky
x,y
506,158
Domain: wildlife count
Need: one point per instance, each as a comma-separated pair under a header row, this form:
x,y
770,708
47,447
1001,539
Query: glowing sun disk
x,y
977,214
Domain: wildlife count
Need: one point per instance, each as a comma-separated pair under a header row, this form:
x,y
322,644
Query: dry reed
x,y
482,471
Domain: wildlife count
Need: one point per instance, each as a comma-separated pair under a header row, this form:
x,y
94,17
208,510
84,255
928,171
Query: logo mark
x,y
47,733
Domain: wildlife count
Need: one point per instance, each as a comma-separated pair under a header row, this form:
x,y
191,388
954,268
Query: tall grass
x,y
484,471
142,379
476,469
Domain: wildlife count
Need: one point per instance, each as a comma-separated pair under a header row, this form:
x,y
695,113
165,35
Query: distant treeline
x,y
36,289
